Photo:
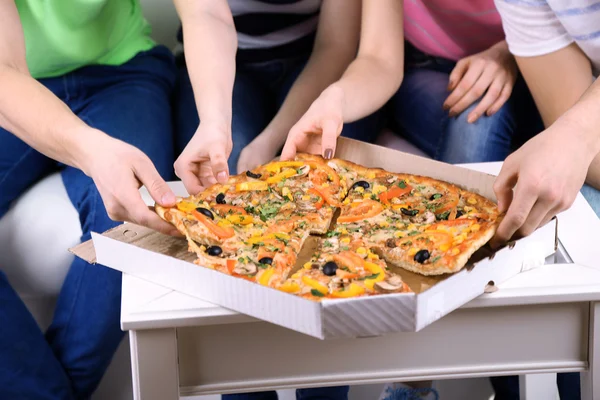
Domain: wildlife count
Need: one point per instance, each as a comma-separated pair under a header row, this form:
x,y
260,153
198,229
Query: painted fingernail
x,y
222,177
168,198
328,154
452,114
445,107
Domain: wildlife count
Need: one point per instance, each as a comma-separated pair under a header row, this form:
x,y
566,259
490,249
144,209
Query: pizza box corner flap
x,y
85,251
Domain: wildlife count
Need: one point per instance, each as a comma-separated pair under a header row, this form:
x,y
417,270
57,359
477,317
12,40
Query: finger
x,y
504,184
474,93
218,162
466,83
190,180
331,129
295,136
207,177
457,73
490,97
157,187
503,98
518,212
538,212
141,215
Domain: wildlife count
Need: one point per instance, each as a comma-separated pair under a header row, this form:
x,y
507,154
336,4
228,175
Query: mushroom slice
x,y
390,285
302,171
245,269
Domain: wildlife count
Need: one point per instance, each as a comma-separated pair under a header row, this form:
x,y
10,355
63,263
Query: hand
x,y
492,72
317,131
119,170
548,171
261,150
203,162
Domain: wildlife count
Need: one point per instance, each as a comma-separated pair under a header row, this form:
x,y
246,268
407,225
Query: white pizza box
x,y
164,260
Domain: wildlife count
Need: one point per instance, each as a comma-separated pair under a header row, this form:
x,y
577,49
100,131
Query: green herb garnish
x,y
434,259
316,293
369,277
332,234
413,233
443,216
402,184
250,209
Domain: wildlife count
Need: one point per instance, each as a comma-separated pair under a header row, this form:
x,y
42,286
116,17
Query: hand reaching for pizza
x,y
318,129
203,162
261,150
491,74
119,170
546,174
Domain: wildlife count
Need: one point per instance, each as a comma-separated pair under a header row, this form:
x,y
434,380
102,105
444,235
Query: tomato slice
x,y
327,196
223,232
321,200
284,226
231,265
224,209
366,209
350,260
396,191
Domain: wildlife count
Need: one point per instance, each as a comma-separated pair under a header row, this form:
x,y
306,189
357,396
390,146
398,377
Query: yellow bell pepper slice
x,y
374,269
352,291
265,277
276,167
252,185
290,287
318,286
258,239
186,206
240,219
281,176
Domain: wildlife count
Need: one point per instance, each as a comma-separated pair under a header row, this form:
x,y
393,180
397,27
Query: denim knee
x,y
487,139
592,196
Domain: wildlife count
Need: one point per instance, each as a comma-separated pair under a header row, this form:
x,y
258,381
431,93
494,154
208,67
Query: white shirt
x,y
538,27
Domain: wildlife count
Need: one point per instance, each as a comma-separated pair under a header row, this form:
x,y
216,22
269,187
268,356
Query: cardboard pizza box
x,y
165,261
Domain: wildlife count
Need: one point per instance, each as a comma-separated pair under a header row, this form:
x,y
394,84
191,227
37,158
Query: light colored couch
x,y
45,216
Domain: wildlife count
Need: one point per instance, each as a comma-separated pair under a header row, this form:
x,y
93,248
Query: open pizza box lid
x,y
164,260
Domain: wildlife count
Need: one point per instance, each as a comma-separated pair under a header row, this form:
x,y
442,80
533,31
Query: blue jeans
x,y
258,92
328,393
507,387
418,114
130,102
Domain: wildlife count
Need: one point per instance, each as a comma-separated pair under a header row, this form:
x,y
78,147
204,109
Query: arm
x,y
376,73
366,85
335,47
554,97
32,113
210,44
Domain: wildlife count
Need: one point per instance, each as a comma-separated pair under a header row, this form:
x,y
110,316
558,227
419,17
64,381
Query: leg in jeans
x,y
417,110
28,367
592,195
132,103
252,111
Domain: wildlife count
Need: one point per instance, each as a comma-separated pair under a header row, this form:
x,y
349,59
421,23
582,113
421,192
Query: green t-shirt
x,y
63,35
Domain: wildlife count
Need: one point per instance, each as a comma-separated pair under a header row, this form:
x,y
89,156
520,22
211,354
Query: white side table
x,y
542,321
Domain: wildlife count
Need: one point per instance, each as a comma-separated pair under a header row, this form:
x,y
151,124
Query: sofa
x,y
44,215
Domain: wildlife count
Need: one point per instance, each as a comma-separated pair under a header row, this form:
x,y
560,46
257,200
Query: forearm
x,y
324,67
40,119
367,85
210,46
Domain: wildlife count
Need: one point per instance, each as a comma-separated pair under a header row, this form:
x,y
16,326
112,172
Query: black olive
x,y
459,213
220,198
266,261
410,213
206,212
251,174
214,251
391,243
422,256
329,268
362,184
435,196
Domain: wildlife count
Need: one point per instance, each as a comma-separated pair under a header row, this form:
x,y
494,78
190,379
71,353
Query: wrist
x,y
583,130
336,94
87,144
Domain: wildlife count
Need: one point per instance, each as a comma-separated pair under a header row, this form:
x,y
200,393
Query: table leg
x,y
154,364
590,380
538,387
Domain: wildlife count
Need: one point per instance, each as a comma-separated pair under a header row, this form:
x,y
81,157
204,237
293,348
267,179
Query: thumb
x,y
157,187
218,162
331,129
503,186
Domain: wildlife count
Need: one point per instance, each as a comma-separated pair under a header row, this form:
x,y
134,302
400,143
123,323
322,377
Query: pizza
x,y
363,222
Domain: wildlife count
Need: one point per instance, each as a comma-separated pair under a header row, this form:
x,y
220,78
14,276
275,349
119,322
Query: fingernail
x,y
452,114
445,107
472,118
222,177
328,154
168,198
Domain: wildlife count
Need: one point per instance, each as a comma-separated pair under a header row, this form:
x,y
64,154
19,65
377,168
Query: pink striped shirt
x,y
452,29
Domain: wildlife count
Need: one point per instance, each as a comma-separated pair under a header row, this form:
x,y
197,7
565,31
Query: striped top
x,y
272,29
452,29
538,27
